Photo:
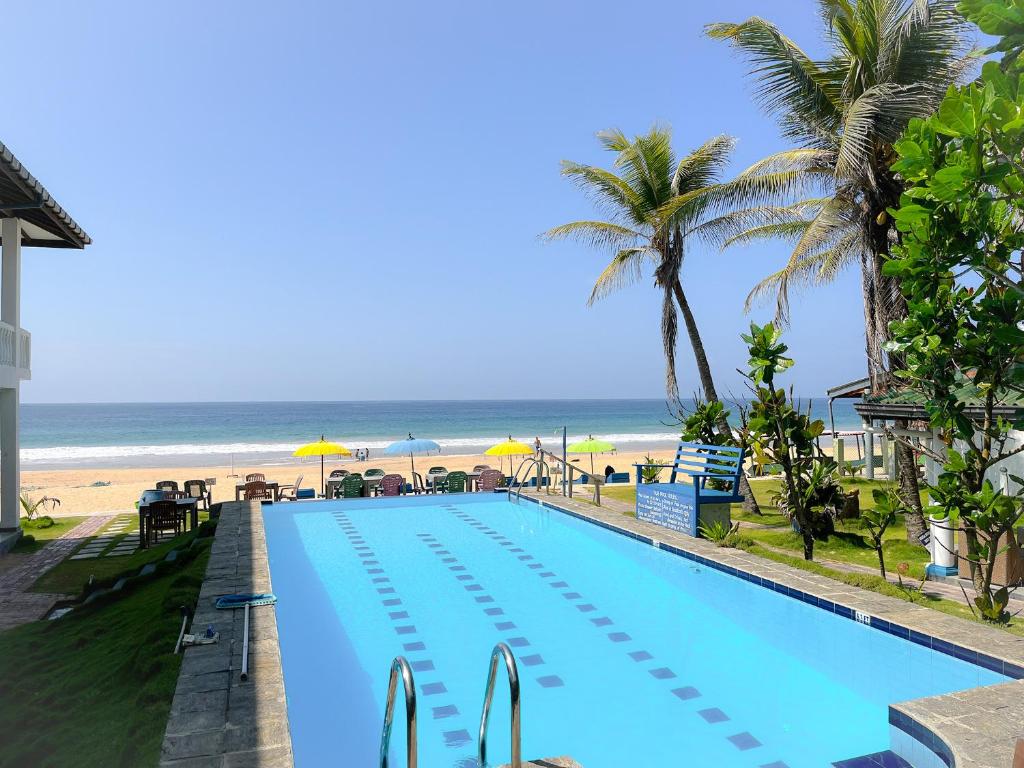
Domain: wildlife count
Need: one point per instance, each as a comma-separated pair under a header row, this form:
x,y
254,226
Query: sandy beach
x,y
95,490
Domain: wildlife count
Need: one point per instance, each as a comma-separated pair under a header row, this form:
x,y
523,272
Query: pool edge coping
x,y
216,719
935,721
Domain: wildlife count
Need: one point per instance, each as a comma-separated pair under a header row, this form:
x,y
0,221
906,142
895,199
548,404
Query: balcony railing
x,y
16,349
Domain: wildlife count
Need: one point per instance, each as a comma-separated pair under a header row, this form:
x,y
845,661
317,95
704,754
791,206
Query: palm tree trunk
x,y
889,305
872,333
708,385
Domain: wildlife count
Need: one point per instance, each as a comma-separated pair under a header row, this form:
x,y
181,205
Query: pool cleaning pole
x,y
245,646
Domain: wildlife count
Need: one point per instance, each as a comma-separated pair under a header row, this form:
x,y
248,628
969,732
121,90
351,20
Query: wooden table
x,y
274,487
369,483
440,477
187,505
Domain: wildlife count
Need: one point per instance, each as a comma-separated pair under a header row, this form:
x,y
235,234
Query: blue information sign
x,y
668,505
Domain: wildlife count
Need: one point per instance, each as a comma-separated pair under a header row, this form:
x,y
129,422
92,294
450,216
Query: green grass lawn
x,y
69,576
849,545
34,538
94,688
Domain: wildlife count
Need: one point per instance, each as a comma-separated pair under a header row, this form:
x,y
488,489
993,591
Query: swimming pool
x,y
627,654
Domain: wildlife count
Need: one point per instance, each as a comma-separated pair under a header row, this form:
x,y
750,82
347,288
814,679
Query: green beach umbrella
x,y
591,446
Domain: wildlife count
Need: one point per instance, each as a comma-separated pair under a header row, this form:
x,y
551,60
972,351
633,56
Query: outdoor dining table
x,y
369,483
188,505
439,477
272,485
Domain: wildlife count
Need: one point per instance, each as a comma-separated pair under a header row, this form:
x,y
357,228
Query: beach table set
x,y
272,485
369,483
188,507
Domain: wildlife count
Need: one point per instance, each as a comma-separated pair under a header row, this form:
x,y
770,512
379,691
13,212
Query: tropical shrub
x,y
32,506
781,434
651,472
878,520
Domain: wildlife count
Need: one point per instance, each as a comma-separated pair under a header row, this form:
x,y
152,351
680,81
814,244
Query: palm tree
x,y
889,61
656,205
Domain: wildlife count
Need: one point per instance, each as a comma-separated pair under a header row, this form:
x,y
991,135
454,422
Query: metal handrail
x,y
532,462
400,665
514,482
569,468
502,650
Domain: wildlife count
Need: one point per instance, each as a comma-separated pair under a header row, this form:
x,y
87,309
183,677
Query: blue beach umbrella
x,y
410,447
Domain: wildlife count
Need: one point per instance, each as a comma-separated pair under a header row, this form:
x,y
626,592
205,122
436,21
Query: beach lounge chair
x,y
338,473
197,489
164,516
481,467
455,482
255,476
257,489
489,480
167,485
294,488
391,485
352,486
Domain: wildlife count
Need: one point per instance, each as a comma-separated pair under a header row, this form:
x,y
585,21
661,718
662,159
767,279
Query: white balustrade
x,y
15,347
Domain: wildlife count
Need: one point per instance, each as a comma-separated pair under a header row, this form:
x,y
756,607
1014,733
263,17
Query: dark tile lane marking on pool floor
x,y
742,741
546,681
453,738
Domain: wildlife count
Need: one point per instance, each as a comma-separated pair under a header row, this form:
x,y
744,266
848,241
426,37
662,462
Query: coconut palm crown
x,y
887,62
654,205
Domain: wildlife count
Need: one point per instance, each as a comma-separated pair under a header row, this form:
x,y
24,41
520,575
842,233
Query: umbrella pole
x,y
323,487
412,465
591,463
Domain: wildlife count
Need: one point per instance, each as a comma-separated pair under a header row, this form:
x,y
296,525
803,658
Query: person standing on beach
x,y
536,444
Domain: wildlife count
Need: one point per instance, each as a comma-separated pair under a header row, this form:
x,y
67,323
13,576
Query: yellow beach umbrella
x,y
322,448
509,448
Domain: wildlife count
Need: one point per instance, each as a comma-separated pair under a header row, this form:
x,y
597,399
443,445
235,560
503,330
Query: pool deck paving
x,y
980,726
218,720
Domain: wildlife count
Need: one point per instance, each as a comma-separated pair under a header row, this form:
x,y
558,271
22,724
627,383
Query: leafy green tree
x,y
960,264
887,62
781,434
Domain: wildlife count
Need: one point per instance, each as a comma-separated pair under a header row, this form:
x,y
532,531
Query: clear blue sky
x,y
321,200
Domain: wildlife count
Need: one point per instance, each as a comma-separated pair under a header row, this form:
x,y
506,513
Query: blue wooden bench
x,y
702,476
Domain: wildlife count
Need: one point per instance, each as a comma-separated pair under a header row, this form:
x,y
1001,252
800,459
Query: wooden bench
x,y
690,498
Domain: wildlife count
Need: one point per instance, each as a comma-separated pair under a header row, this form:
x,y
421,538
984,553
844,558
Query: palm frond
x,y
730,227
782,230
704,165
834,230
600,234
607,190
789,81
625,269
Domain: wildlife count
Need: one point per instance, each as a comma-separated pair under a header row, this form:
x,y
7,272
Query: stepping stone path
x,y
17,604
100,546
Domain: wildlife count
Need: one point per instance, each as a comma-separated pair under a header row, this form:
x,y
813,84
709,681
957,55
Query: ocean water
x,y
627,655
161,434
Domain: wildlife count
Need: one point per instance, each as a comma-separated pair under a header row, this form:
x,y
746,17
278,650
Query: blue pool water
x,y
628,655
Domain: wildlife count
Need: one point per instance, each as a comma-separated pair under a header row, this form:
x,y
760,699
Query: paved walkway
x,y
17,604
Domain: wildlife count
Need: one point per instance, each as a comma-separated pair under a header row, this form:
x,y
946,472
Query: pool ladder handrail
x,y
503,651
514,483
400,666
